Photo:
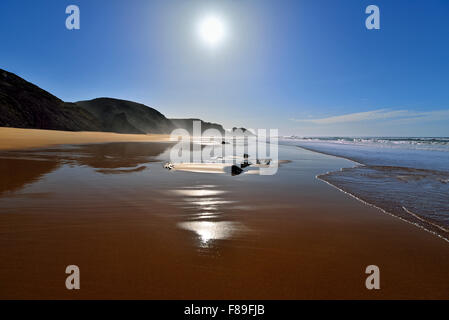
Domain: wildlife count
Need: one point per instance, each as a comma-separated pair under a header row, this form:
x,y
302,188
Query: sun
x,y
212,30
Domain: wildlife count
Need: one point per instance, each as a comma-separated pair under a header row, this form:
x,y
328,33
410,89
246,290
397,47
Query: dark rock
x,y
245,164
236,170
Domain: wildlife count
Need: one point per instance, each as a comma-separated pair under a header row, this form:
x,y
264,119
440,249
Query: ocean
x,y
407,177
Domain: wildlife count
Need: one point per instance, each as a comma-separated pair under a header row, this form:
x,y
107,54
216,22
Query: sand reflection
x,y
19,168
15,174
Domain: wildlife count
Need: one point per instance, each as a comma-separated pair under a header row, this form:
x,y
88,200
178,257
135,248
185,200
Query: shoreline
x,y
18,138
381,209
332,155
353,195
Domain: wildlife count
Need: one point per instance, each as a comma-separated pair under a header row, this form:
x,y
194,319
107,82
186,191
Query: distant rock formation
x,y
187,124
241,132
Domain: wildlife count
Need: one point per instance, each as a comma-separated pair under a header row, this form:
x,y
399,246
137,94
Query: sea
x,y
407,177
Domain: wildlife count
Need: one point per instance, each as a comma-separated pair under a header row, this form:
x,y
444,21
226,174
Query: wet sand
x,y
157,234
14,138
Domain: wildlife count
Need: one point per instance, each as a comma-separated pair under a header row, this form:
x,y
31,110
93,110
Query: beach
x,y
15,138
139,231
406,177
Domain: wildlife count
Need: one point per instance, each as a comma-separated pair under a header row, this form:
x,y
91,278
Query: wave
x,y
418,221
415,195
418,143
412,185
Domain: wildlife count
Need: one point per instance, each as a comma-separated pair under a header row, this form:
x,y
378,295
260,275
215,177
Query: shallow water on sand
x,y
94,177
138,230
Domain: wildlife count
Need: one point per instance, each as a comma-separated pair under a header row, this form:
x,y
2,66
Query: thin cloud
x,y
405,116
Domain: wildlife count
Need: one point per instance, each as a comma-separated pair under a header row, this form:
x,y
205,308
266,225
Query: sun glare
x,y
212,31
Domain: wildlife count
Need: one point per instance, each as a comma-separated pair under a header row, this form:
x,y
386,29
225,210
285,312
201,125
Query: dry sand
x,y
14,138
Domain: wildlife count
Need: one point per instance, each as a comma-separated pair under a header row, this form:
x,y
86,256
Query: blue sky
x,y
305,67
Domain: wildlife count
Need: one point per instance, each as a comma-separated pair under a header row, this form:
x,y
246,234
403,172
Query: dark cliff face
x,y
24,105
127,116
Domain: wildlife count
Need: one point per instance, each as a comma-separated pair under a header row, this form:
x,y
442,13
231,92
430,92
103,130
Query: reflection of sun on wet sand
x,y
14,138
210,230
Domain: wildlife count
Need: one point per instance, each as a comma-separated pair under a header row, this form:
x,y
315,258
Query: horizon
x,y
306,68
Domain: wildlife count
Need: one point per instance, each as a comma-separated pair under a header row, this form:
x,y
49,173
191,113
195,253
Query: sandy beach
x,y
14,138
145,232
